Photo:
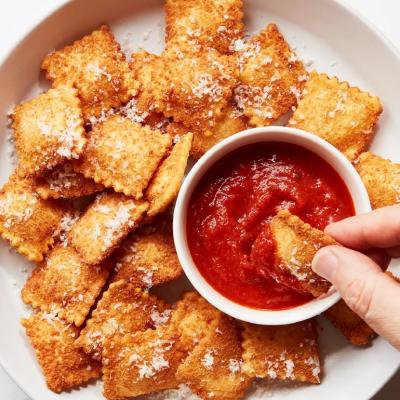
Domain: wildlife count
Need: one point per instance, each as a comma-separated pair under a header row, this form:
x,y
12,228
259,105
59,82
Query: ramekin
x,y
294,136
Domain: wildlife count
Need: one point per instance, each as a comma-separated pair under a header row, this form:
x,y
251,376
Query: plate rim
x,y
58,5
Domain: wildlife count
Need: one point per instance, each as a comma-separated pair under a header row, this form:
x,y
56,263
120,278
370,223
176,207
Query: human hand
x,y
359,278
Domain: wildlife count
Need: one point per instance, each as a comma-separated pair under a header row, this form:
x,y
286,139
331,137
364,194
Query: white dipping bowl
x,y
262,135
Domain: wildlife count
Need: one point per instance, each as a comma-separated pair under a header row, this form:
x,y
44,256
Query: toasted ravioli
x,y
192,24
64,183
141,114
167,180
342,115
230,123
106,222
146,69
353,328
381,177
64,366
282,352
26,221
191,89
271,77
65,285
48,130
193,318
295,246
147,258
96,66
123,155
141,363
214,368
123,309
68,220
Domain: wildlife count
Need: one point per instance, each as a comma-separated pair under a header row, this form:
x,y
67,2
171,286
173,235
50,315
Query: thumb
x,y
368,291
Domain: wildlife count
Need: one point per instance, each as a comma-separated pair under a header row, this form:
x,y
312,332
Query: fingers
x,y
379,228
369,292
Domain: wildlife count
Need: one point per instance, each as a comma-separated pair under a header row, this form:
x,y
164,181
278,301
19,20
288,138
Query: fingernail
x,y
325,264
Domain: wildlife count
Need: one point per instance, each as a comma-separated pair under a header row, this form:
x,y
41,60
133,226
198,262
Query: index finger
x,y
379,228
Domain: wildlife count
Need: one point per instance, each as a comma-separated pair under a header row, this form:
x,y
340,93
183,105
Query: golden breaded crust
x,y
271,77
191,89
193,318
214,368
286,352
167,180
342,115
295,246
96,66
147,258
68,220
191,24
353,328
139,113
106,222
381,177
230,123
123,309
26,221
64,366
123,155
65,285
146,68
48,130
64,183
141,363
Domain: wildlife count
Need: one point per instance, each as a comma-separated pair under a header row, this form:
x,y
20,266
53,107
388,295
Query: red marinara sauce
x,y
233,204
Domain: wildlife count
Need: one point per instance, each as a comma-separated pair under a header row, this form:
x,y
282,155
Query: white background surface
x,y
16,19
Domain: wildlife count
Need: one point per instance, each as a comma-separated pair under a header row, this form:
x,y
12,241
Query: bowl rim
x,y
295,136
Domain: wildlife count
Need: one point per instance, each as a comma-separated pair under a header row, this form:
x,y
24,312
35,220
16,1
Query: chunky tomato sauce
x,y
231,208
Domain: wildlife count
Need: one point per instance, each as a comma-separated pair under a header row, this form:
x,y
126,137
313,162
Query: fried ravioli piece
x,y
65,285
146,68
64,183
206,23
123,155
192,89
141,363
139,114
96,66
26,221
214,368
230,123
353,328
148,258
48,130
381,177
282,352
342,115
295,246
106,222
123,309
193,318
167,180
271,77
64,366
68,220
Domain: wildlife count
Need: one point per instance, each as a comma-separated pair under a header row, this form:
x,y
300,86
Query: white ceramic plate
x,y
337,42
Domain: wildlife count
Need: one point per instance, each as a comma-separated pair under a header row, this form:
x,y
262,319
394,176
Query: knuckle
x,y
358,297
